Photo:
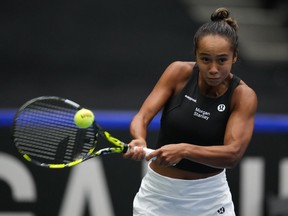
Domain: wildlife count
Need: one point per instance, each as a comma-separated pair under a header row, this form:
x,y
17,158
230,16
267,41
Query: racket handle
x,y
147,151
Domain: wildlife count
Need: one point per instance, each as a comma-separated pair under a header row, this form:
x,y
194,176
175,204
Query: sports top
x,y
190,117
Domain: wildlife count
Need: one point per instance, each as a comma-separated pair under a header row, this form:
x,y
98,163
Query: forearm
x,y
214,156
138,127
138,131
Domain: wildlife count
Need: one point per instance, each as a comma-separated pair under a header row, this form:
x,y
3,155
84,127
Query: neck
x,y
214,91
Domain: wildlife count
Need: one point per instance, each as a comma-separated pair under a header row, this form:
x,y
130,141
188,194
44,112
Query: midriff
x,y
176,173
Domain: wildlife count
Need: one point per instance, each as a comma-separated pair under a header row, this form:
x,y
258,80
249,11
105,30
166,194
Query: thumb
x,y
151,154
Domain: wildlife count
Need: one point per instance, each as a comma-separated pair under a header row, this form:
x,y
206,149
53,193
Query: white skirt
x,y
163,196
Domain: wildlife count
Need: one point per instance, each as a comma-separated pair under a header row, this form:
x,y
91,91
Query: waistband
x,y
180,187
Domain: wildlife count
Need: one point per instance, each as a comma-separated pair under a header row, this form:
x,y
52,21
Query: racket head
x,y
45,134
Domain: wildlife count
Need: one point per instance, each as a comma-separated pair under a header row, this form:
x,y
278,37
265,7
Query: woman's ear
x,y
235,58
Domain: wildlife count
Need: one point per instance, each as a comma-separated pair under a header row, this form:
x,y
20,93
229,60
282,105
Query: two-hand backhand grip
x,y
146,150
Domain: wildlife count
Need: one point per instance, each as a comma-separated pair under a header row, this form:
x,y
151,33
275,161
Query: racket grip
x,y
147,151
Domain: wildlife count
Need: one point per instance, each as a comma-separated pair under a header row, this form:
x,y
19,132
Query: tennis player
x,y
206,125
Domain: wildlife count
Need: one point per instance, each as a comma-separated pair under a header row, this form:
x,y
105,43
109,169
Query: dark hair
x,y
221,24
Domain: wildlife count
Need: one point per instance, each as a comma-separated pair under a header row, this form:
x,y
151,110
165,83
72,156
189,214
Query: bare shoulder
x,y
181,67
244,97
178,73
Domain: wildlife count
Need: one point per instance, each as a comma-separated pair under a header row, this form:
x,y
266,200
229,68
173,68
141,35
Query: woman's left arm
x,y
239,131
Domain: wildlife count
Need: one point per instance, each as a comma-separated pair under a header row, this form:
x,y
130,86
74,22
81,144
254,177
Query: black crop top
x,y
190,117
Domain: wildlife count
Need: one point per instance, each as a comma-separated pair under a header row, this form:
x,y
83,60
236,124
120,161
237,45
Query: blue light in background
x,y
120,120
109,120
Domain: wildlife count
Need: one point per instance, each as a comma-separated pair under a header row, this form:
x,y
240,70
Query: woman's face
x,y
215,58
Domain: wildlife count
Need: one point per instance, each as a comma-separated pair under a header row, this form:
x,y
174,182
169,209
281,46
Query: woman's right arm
x,y
172,80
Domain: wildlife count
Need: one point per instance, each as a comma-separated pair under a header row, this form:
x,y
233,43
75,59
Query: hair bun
x,y
223,14
220,14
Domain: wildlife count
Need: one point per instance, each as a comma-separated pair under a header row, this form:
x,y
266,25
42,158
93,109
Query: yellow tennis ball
x,y
84,118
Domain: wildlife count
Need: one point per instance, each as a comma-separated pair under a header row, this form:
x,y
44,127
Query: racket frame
x,y
117,145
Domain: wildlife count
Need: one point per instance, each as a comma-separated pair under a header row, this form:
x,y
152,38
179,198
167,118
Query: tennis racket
x,y
45,134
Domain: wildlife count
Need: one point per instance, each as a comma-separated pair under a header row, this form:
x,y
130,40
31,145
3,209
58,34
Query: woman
x,y
206,125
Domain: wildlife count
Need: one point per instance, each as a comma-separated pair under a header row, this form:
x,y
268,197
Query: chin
x,y
214,82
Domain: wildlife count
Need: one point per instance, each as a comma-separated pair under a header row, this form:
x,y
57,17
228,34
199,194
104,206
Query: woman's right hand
x,y
136,153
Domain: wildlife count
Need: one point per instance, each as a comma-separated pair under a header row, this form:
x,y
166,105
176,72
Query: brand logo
x,y
221,107
190,98
221,210
201,113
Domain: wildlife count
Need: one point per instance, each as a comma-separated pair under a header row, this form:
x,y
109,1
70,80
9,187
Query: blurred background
x,y
107,56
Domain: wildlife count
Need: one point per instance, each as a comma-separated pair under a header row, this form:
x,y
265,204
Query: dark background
x,y
108,55
102,54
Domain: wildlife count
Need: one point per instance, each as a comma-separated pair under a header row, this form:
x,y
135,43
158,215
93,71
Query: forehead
x,y
214,44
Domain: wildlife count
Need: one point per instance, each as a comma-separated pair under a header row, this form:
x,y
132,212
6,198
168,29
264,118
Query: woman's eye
x,y
222,60
204,59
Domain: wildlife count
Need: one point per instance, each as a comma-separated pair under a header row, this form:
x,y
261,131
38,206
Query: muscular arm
x,y
171,81
238,134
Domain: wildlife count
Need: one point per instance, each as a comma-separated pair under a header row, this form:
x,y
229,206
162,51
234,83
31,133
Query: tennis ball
x,y
84,118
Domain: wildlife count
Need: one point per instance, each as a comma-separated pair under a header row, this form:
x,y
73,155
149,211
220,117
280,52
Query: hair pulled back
x,y
221,24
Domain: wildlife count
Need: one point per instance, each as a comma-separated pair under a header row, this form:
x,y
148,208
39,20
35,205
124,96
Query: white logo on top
x,y
190,98
221,107
201,114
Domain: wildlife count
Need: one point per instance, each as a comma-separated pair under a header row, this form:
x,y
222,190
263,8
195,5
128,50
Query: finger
x,y
152,155
138,153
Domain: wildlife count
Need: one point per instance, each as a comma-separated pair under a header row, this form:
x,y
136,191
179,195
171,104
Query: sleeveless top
x,y
190,117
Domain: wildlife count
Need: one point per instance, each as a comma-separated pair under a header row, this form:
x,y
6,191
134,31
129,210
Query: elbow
x,y
233,159
232,164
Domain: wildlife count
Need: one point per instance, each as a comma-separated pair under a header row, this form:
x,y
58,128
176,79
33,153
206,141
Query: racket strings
x,y
47,131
